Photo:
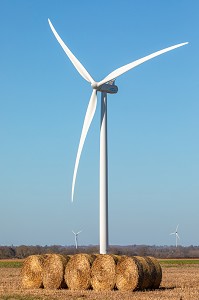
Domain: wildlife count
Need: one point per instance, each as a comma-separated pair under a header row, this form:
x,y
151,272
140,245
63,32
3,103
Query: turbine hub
x,y
94,85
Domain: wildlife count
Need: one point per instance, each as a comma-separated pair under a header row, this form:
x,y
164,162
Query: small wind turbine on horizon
x,y
76,239
105,86
176,235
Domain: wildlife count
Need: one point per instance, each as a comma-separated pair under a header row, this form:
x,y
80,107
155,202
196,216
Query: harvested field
x,y
178,283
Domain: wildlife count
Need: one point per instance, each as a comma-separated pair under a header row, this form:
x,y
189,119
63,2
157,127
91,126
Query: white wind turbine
x,y
104,86
76,239
176,235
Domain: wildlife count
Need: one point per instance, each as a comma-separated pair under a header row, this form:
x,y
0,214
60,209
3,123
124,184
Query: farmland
x,y
180,282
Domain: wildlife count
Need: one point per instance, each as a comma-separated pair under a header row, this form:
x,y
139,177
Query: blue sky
x,y
152,122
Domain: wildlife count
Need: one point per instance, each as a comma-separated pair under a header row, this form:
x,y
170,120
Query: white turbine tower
x,y
76,239
176,235
104,86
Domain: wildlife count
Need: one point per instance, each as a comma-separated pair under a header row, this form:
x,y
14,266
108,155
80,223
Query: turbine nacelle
x,y
108,88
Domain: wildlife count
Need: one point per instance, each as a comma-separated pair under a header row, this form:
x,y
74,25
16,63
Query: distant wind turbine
x,y
105,86
76,239
176,235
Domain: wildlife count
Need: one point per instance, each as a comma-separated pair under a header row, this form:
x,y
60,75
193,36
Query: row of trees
x,y
7,252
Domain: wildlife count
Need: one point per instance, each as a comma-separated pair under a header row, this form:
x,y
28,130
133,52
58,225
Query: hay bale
x,y
153,272
78,272
103,272
53,271
158,272
129,274
31,272
148,272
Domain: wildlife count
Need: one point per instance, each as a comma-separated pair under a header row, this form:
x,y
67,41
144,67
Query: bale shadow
x,y
163,288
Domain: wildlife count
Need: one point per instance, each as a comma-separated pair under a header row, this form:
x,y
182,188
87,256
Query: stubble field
x,y
180,282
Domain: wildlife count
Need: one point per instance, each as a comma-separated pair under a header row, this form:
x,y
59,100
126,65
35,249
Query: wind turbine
x,y
176,235
76,240
105,86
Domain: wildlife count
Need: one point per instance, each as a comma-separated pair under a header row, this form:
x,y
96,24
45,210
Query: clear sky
x,y
153,121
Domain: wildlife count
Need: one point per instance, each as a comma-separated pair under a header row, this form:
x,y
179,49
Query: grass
x,y
11,264
163,262
178,262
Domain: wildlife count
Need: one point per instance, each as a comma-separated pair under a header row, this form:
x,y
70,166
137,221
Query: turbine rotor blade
x,y
135,63
87,121
177,236
80,68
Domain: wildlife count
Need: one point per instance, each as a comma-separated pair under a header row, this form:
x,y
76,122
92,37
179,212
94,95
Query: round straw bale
x,y
152,272
158,272
31,272
129,274
103,272
78,272
53,271
147,272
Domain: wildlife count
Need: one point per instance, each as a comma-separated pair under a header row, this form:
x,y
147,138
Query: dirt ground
x,y
179,283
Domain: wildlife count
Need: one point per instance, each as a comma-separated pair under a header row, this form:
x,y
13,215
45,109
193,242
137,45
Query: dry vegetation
x,y
180,282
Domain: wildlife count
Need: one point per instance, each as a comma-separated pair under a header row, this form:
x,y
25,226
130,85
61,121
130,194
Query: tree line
x,y
23,251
